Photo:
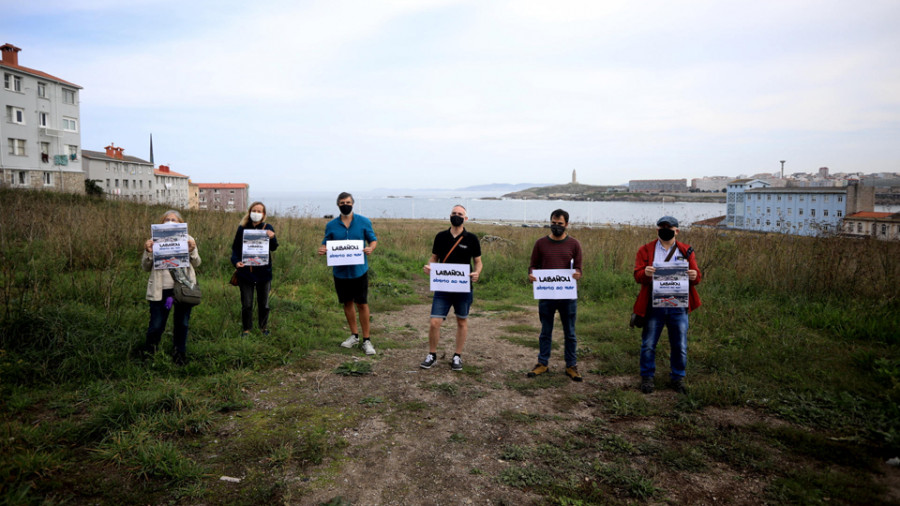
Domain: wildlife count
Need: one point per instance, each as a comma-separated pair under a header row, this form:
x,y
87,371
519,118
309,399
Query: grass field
x,y
804,330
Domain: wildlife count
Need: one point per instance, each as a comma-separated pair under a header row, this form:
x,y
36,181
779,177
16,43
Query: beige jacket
x,y
155,283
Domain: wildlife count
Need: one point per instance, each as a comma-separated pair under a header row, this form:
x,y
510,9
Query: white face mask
x,y
256,217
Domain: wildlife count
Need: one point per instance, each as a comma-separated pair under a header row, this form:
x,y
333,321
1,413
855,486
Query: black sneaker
x,y
456,363
647,384
429,361
678,386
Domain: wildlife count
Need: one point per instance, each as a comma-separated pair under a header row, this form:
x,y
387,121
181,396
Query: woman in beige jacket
x,y
160,296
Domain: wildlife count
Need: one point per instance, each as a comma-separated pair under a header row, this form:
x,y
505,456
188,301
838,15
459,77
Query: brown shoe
x,y
538,370
572,372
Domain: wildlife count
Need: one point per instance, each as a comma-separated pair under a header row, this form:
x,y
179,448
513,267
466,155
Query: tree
x,y
92,188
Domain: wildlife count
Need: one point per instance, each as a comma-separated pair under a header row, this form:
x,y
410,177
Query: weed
x,y
371,401
356,368
451,389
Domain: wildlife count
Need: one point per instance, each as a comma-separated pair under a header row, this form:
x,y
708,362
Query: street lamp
x,y
782,169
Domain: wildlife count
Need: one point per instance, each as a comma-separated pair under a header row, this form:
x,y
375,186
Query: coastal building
x,y
224,196
753,205
121,177
170,187
657,185
710,184
882,226
193,195
40,129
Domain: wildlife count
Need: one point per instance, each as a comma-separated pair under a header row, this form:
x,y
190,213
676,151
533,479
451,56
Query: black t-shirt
x,y
467,249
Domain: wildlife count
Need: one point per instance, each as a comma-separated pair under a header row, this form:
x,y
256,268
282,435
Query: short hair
x,y
246,221
466,211
559,213
171,211
344,195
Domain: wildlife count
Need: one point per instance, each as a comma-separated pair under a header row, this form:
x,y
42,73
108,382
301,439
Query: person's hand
x,y
649,270
323,249
692,275
531,278
149,245
239,265
191,245
367,250
474,277
427,269
576,275
270,234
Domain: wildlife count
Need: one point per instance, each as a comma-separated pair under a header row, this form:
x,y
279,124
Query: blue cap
x,y
667,219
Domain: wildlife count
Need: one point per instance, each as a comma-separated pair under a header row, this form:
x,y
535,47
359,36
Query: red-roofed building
x,y
883,226
171,187
224,196
40,132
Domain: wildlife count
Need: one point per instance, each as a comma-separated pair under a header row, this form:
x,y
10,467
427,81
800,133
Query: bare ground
x,y
437,436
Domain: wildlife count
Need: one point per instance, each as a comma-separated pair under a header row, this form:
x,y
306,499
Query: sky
x,y
358,95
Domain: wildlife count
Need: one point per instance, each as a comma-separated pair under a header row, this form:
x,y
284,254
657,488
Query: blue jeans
x,y
158,317
547,309
676,320
441,303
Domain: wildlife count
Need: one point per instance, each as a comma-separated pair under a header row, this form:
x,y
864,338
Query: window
x,y
800,212
23,177
12,82
768,210
107,183
840,198
768,197
859,228
72,151
883,229
840,213
125,183
757,221
17,147
812,198
68,96
70,124
789,211
231,192
44,119
812,212
827,198
825,212
117,183
15,115
790,198
45,148
768,223
48,178
42,90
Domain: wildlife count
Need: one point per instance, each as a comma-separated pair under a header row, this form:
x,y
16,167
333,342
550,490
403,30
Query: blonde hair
x,y
246,221
171,211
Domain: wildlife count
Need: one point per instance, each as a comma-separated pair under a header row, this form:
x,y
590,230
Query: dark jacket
x,y
258,274
644,258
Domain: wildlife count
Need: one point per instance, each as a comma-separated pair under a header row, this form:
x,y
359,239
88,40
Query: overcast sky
x,y
357,95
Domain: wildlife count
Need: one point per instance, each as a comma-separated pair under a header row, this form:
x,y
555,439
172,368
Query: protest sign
x,y
670,284
554,284
170,246
256,248
345,252
450,278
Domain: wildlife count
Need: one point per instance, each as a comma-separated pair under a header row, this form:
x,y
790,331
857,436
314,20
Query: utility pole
x,y
782,169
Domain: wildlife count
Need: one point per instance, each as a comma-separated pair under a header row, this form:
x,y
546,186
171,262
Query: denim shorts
x,y
442,301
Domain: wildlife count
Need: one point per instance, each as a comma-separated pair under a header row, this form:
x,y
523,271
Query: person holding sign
x,y
160,295
454,247
558,250
251,255
351,280
662,303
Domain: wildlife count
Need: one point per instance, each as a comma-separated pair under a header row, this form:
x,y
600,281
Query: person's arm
x,y
536,261
273,241
477,272
694,274
427,268
323,248
236,247
370,248
576,261
643,268
147,258
371,238
195,252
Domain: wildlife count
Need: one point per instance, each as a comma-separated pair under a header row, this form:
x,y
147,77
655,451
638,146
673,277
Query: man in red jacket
x,y
664,252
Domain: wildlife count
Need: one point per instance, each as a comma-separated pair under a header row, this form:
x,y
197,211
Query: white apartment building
x,y
121,177
171,188
40,129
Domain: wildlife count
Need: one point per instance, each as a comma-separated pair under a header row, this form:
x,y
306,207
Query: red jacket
x,y
644,259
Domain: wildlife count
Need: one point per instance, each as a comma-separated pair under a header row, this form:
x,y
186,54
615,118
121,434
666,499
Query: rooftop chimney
x,y
10,54
164,168
119,154
111,150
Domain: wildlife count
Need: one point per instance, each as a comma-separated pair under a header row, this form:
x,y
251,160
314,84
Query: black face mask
x,y
345,209
456,220
557,230
666,234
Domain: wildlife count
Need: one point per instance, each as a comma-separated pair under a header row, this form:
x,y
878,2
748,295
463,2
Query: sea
x,y
488,207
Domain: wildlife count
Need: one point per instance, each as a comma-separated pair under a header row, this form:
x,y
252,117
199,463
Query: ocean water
x,y
485,207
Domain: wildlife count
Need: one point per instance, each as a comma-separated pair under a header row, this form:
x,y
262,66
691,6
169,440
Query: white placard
x,y
555,284
450,278
170,246
670,284
345,252
255,251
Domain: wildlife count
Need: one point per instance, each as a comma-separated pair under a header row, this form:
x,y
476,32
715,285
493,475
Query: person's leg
x,y
568,310
461,309
677,324
350,315
182,321
363,310
546,311
158,316
440,308
262,298
649,337
246,304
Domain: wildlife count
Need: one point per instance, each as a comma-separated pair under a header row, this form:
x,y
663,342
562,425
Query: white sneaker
x,y
350,342
368,348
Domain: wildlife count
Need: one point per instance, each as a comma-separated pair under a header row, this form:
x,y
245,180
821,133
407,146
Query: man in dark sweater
x,y
557,251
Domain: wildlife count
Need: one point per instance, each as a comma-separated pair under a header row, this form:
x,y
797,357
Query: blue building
x,y
754,205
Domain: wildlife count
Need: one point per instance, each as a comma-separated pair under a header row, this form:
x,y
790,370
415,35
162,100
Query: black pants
x,y
262,298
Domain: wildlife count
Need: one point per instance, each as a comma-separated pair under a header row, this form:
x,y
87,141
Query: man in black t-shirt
x,y
455,245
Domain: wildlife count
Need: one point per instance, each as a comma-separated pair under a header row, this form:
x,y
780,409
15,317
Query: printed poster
x,y
555,284
345,252
670,284
450,278
170,246
255,251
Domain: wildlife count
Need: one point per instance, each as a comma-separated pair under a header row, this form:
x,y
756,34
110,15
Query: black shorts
x,y
353,289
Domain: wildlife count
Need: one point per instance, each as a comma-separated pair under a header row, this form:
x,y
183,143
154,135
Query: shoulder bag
x,y
185,292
